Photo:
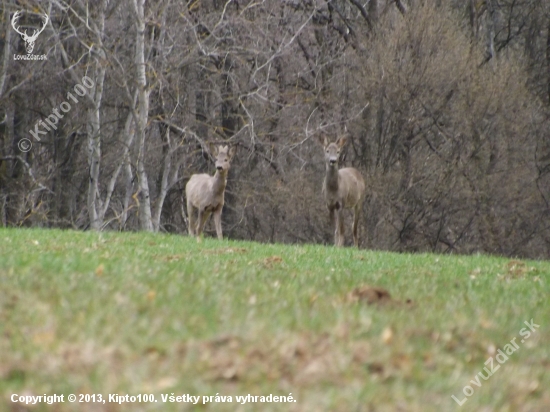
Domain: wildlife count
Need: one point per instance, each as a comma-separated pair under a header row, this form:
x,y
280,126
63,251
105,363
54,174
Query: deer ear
x,y
341,141
323,141
213,149
232,151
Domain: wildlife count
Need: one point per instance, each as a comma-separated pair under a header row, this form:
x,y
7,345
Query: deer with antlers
x,y
343,188
29,40
205,193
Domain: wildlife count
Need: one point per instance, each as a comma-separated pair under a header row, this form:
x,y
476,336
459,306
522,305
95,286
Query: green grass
x,y
137,313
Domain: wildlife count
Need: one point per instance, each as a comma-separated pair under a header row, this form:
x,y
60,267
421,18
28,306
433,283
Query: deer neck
x,y
220,181
331,179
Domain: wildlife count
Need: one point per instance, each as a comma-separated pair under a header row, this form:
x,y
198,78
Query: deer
x,y
205,193
343,189
29,40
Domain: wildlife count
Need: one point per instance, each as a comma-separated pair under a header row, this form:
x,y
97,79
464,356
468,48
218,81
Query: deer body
x,y
343,189
205,194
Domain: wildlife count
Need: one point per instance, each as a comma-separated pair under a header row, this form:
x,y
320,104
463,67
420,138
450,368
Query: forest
x,y
445,104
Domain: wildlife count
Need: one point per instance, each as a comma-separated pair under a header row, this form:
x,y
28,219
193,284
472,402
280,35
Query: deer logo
x,y
29,40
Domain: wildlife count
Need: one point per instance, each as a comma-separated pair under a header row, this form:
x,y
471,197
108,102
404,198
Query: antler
x,y
36,32
45,20
14,19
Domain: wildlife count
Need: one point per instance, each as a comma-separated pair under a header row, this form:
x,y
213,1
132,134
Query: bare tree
x,y
454,151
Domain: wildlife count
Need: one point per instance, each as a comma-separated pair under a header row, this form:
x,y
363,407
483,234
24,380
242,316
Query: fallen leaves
x,y
369,294
44,338
225,250
219,251
376,368
374,295
160,385
475,273
387,335
151,295
299,359
172,258
518,269
272,261
99,270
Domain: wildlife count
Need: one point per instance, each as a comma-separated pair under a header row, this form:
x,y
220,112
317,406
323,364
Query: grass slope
x,y
138,313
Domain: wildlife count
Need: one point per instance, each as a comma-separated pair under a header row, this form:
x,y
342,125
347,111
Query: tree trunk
x,y
94,153
145,218
548,58
490,30
166,182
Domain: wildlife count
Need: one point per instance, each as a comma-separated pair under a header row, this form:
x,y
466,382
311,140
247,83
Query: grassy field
x,y
137,313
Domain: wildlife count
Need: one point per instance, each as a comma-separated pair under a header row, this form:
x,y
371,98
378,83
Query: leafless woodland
x,y
446,103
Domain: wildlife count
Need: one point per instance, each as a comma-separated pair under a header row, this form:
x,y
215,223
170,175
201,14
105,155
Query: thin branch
x,y
29,171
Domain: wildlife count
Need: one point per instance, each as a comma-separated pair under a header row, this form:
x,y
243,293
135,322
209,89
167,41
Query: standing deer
x,y
206,193
344,188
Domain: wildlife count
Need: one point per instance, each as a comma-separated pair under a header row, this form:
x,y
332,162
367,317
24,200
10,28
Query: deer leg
x,y
203,217
356,213
191,219
332,219
341,229
218,222
334,222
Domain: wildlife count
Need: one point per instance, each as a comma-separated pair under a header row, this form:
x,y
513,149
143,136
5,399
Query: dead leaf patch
x,y
387,335
99,270
271,261
518,269
370,294
375,295
225,250
376,368
172,258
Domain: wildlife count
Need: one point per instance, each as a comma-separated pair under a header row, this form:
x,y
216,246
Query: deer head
x,y
29,40
332,150
223,156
